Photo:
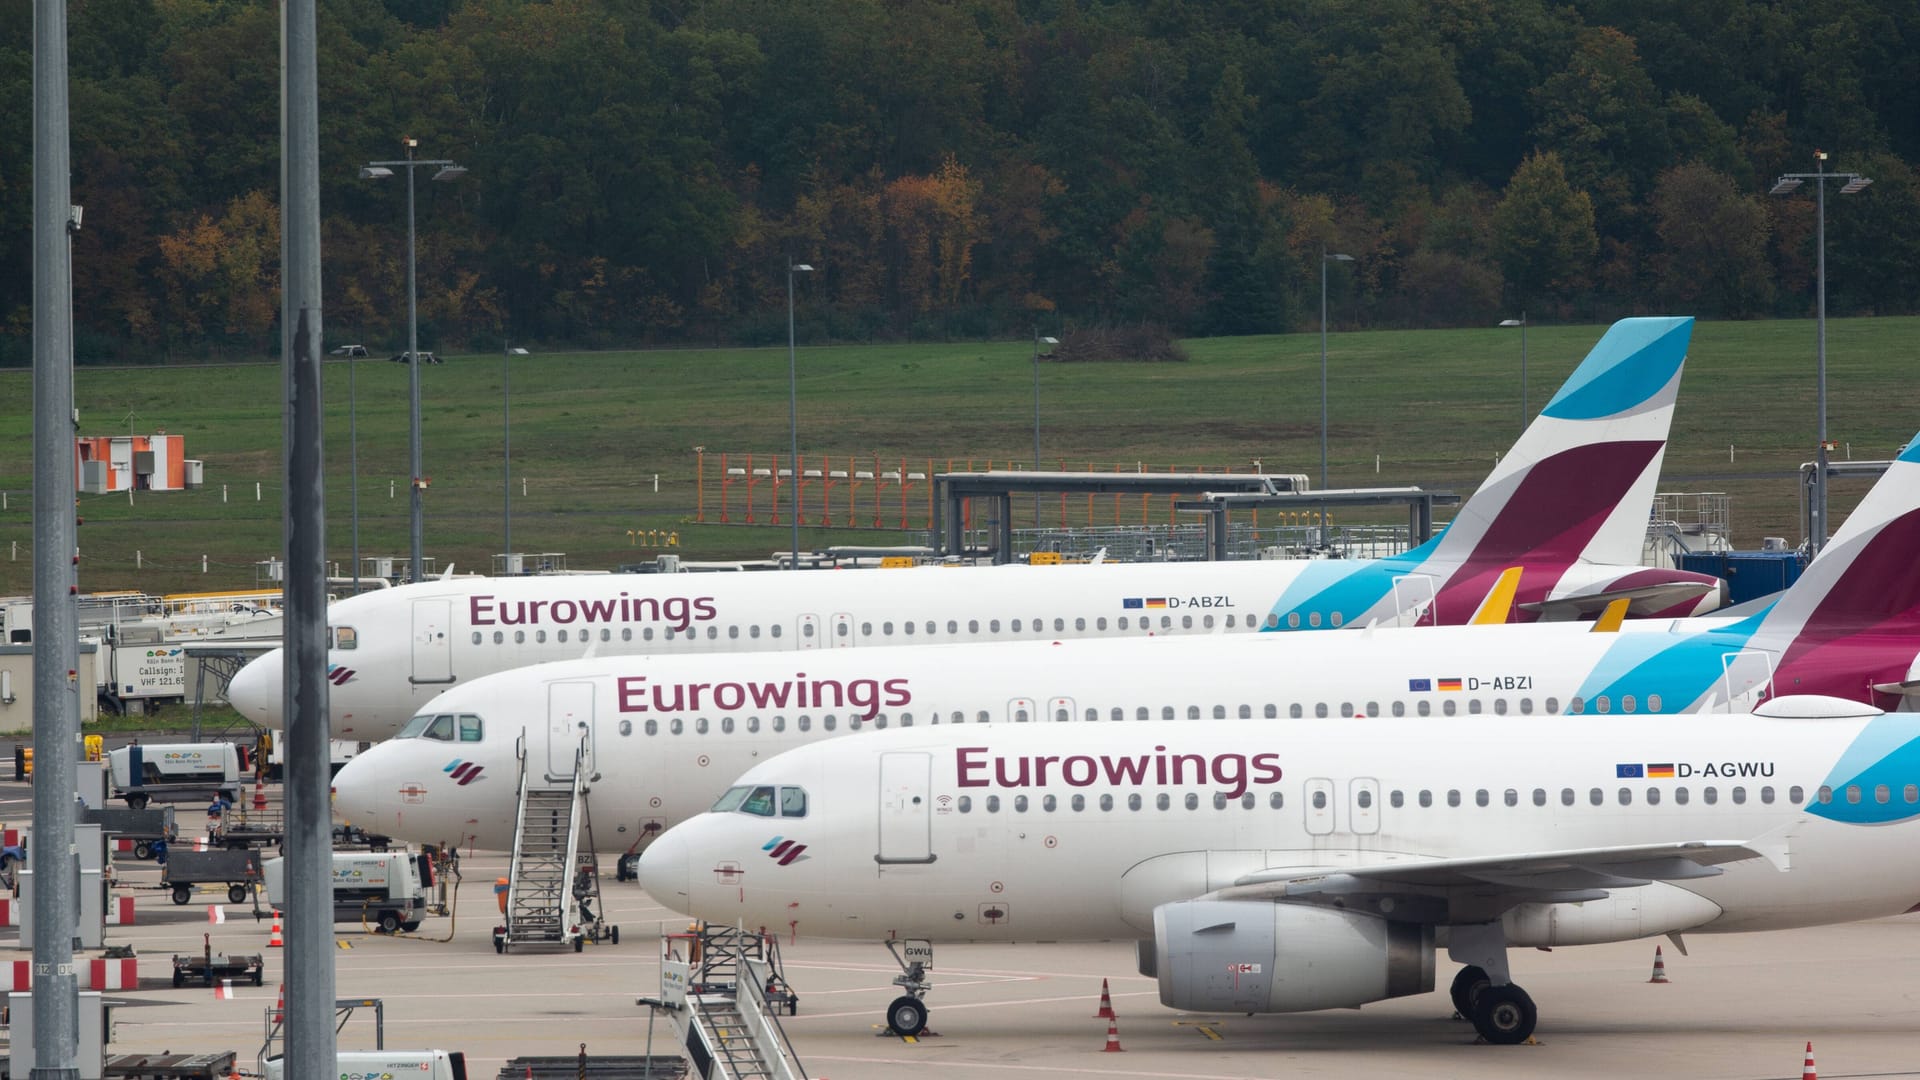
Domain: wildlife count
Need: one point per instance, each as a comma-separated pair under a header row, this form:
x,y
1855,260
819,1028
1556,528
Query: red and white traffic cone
x,y
1659,967
1113,1038
259,794
1807,1071
280,1006
273,940
1106,1003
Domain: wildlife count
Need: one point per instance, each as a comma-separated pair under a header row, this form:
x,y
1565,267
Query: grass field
x,y
591,431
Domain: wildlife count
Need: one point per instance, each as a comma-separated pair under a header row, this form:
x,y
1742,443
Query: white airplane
x,y
1273,869
1568,505
664,735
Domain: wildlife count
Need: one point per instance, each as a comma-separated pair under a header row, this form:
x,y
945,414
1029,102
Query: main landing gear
x,y
1503,1015
908,1013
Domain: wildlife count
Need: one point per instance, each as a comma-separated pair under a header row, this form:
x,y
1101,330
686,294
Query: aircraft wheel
x,y
499,944
613,935
907,1016
1504,1015
1466,986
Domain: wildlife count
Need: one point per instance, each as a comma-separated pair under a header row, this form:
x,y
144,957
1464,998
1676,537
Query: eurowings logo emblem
x,y
340,674
784,851
463,772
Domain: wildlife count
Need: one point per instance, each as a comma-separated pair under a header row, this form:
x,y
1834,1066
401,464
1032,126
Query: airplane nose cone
x,y
255,690
353,794
665,869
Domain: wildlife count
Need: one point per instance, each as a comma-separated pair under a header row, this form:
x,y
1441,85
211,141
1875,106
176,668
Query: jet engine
x,y
1254,956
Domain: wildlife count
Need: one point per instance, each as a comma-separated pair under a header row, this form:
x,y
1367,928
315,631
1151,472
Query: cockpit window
x,y
441,728
793,802
759,803
415,727
470,728
343,637
730,800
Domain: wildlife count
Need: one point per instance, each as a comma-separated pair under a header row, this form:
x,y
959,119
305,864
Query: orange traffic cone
x,y
1807,1071
259,795
1659,967
1113,1038
1106,1003
274,942
280,1006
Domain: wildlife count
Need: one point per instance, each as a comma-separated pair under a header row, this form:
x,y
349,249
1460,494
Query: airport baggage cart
x,y
170,1066
143,827
240,828
238,870
210,967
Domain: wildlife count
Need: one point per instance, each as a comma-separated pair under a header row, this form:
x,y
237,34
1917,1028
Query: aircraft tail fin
x,y
1579,482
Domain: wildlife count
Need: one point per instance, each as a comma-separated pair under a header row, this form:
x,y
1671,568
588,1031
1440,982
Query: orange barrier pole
x,y
776,489
700,486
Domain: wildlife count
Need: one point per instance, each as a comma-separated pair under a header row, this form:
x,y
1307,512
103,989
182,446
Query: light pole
x,y
1786,184
507,353
381,170
1521,322
1325,258
1038,340
793,407
352,353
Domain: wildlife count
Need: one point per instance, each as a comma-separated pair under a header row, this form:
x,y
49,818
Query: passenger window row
x,y
1454,798
871,631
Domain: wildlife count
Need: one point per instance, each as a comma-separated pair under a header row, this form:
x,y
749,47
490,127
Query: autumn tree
x,y
1543,231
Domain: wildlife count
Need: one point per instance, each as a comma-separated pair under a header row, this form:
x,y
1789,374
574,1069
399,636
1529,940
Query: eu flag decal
x,y
1419,686
1132,603
1628,772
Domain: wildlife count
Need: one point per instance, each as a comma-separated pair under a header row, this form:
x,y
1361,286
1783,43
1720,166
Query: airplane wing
x,y
1641,600
1482,888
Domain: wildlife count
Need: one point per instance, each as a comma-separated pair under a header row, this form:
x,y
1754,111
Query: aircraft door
x,y
1363,813
1318,806
1746,676
906,808
1059,709
842,637
569,725
808,632
1020,710
432,641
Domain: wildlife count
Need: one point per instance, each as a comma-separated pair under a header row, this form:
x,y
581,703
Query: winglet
x,y
1610,619
1498,605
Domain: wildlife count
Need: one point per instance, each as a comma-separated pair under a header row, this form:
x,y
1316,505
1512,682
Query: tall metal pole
x,y
506,449
353,464
1818,539
309,850
1525,413
1323,391
1036,422
415,500
793,418
56,614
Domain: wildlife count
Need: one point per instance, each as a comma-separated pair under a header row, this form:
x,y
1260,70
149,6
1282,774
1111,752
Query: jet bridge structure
x,y
1217,503
722,989
996,491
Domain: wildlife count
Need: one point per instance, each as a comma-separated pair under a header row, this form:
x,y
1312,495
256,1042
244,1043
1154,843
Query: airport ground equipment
x,y
595,1067
241,828
95,1032
211,967
239,871
86,846
553,896
143,827
348,837
714,987
176,772
386,889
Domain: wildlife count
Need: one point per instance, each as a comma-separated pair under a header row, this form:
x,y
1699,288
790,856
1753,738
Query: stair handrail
x,y
784,1064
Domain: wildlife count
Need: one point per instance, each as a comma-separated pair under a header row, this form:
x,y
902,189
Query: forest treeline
x,y
641,172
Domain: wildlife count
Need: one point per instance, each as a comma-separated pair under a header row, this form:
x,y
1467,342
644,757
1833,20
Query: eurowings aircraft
x,y
1568,505
664,735
1271,869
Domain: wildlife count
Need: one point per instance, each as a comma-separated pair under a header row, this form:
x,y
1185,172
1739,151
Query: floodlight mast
x,y
1786,184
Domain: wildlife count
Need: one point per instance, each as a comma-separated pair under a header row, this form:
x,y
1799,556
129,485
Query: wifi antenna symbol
x,y
944,800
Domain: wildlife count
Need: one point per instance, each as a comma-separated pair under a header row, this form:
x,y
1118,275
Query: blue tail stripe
x,y
1635,360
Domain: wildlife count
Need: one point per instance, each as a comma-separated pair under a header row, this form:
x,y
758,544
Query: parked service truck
x,y
175,772
386,889
381,1064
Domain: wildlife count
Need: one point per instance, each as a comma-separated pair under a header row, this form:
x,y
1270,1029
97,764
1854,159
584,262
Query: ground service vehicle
x,y
175,772
386,889
412,1064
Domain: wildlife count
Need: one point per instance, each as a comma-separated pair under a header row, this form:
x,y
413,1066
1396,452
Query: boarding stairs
x,y
724,990
543,902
